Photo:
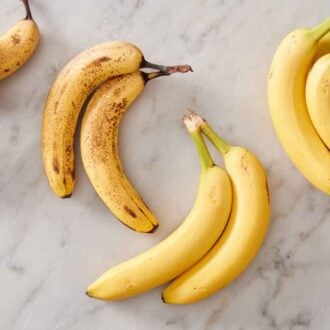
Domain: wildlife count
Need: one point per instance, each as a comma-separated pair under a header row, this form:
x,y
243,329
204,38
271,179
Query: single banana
x,y
67,96
323,47
18,44
244,234
318,97
287,105
185,246
99,149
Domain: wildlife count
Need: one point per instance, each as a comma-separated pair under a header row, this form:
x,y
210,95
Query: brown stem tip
x,y
166,70
192,120
178,68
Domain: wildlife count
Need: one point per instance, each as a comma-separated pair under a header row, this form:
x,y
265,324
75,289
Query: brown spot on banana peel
x,y
15,39
117,91
56,167
55,106
98,62
68,150
129,211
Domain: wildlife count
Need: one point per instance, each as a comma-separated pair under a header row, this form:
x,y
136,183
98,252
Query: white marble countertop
x,y
51,249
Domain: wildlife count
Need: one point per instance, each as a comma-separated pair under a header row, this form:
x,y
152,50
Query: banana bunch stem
x,y
162,70
321,30
27,9
166,70
194,130
201,124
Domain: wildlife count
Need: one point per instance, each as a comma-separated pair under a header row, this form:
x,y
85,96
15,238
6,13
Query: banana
x,y
18,44
287,104
99,149
318,97
323,47
245,231
185,246
67,96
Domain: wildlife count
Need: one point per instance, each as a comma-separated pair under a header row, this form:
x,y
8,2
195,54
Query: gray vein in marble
x,y
215,315
29,299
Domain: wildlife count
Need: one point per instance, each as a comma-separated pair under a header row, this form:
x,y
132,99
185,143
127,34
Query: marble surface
x,y
51,249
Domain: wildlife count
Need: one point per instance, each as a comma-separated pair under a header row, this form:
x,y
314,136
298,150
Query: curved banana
x,y
287,105
244,234
67,96
323,47
18,44
185,246
99,149
318,97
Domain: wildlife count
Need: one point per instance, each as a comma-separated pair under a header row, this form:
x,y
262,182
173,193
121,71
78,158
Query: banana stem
x,y
216,140
321,30
27,9
203,152
151,75
166,70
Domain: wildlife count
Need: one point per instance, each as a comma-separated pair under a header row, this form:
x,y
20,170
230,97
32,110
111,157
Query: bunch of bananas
x,y
230,217
106,78
18,44
217,241
299,101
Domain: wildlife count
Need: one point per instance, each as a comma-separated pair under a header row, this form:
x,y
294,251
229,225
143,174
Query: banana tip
x,y
153,229
163,299
66,196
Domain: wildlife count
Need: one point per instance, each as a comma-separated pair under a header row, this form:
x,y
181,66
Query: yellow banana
x,y
318,97
287,104
18,44
99,149
245,231
185,246
67,95
323,47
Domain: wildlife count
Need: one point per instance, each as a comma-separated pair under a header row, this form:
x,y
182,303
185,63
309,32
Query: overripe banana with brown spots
x,y
67,96
99,150
18,44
